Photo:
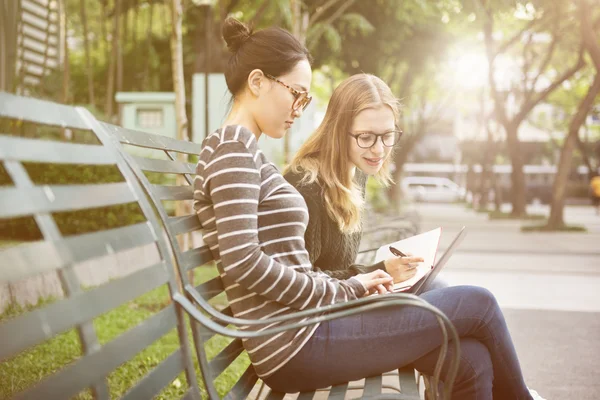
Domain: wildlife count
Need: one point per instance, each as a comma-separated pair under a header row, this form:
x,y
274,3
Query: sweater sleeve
x,y
232,180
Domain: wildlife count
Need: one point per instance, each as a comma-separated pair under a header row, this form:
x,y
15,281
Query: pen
x,y
397,252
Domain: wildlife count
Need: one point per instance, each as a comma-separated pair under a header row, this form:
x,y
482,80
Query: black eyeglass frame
x,y
397,136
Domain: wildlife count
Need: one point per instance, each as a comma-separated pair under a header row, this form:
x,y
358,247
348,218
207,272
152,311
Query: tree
x,y
592,47
176,11
528,90
114,56
88,61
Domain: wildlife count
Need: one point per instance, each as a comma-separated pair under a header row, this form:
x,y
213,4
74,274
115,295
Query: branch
x,y
543,67
320,11
331,19
590,40
499,109
526,63
259,13
528,106
506,45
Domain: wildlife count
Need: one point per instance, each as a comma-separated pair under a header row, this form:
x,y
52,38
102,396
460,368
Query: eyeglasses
x,y
301,99
366,140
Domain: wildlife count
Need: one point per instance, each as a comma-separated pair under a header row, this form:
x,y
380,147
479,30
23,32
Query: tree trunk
x,y
517,176
400,158
176,12
560,182
88,61
110,87
132,70
146,73
122,50
296,9
104,32
65,60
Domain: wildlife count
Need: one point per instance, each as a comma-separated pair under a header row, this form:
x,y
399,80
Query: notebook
x,y
424,245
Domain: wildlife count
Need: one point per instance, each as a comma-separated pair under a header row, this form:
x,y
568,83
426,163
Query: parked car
x,y
433,189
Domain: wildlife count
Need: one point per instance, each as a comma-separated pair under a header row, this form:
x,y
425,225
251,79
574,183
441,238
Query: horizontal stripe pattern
x,y
254,223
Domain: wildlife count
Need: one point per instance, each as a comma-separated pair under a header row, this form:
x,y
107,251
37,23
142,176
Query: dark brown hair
x,y
274,51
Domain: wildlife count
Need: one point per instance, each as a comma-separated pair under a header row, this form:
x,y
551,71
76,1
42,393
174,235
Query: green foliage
x,y
544,228
376,196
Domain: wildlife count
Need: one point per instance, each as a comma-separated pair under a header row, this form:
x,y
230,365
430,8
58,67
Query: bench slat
x,y
97,244
408,383
158,378
184,224
152,141
17,202
373,385
38,325
208,334
40,111
243,386
173,192
85,371
196,257
338,392
225,357
27,259
25,149
210,288
191,394
306,396
165,166
275,395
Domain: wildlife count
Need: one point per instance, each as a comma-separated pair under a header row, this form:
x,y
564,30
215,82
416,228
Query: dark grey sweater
x,y
330,250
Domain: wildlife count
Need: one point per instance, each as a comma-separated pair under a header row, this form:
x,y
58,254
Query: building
x,y
30,45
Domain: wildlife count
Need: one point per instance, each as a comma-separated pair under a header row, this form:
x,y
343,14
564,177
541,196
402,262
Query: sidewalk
x,y
547,285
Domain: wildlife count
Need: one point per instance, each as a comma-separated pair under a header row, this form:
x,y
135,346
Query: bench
x,y
186,294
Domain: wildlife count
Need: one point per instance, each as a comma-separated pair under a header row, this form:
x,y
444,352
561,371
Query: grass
x,y
46,358
544,228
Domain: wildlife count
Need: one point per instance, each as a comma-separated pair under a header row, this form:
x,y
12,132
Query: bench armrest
x,y
331,312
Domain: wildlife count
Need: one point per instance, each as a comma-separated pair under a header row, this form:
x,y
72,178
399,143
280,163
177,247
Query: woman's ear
x,y
255,79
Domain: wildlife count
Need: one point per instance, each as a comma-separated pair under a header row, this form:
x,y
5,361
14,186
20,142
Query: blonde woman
x,y
254,223
362,117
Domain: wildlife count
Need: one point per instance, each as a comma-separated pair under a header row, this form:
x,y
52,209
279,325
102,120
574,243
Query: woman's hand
x,y
376,282
402,268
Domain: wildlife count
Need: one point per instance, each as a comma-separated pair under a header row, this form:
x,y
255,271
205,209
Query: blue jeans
x,y
383,340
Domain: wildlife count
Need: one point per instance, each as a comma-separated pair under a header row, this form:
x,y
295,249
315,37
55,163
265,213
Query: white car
x,y
432,188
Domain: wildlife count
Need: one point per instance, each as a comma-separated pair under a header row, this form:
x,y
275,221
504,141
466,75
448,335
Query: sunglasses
x,y
301,99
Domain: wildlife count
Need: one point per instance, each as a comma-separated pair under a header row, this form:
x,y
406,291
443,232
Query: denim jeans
x,y
382,340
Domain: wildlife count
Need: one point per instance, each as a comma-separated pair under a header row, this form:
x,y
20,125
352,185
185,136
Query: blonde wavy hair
x,y
324,157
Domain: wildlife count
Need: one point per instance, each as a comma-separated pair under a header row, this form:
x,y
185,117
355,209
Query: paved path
x,y
548,285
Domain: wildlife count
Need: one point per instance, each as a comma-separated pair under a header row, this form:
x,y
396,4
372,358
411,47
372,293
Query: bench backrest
x,y
79,344
224,365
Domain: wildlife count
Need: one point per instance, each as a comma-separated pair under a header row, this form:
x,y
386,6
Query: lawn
x,y
40,361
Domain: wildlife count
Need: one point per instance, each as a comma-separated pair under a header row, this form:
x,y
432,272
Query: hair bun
x,y
235,33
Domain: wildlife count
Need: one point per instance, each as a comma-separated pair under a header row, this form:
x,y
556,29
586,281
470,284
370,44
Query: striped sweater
x,y
254,222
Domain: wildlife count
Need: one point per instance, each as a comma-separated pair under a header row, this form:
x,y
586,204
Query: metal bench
x,y
191,289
